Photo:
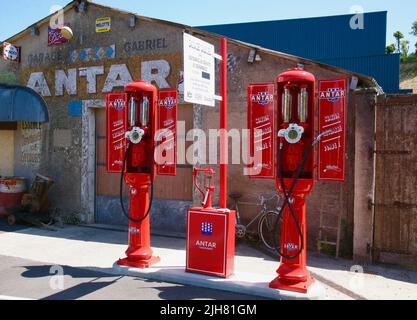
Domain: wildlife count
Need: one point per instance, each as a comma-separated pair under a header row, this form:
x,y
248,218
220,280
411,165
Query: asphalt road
x,y
22,279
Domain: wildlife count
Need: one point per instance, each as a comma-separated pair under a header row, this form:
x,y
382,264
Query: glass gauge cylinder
x,y
303,105
133,112
286,105
144,112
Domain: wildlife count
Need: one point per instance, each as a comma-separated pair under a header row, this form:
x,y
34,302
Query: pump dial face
x,y
135,136
292,134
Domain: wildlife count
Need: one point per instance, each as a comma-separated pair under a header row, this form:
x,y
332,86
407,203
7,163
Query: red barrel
x,y
11,193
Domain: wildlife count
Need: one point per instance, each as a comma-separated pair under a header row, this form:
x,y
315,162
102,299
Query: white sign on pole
x,y
199,71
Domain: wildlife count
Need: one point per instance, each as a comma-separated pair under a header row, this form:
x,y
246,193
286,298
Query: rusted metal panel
x,y
396,179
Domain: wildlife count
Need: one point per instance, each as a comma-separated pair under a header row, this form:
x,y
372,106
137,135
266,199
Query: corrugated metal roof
x,y
385,68
313,38
329,40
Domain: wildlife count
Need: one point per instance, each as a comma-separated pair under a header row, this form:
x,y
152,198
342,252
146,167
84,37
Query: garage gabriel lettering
x,y
143,45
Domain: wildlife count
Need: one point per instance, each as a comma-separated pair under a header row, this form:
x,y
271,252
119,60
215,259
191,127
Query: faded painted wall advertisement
x,y
78,78
8,77
60,56
55,36
31,147
117,76
143,45
11,52
103,25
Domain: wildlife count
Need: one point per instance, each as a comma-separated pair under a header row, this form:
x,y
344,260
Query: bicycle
x,y
267,219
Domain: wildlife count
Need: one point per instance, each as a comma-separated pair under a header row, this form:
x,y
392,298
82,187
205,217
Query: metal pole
x,y
223,126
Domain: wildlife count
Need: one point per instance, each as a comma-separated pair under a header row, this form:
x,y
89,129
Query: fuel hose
x,y
288,196
121,187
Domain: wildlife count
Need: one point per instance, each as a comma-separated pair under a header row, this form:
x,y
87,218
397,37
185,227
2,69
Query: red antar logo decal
x,y
263,98
332,94
168,102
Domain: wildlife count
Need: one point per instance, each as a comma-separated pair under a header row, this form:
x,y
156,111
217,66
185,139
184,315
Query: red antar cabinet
x,y
210,234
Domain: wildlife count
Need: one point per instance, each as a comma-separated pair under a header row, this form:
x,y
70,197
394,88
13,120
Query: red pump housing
x,y
296,109
294,170
131,128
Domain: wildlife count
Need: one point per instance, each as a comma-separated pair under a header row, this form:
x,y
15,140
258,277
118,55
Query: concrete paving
x,y
22,279
97,249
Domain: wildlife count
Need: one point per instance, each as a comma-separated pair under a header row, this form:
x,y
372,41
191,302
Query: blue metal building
x,y
329,40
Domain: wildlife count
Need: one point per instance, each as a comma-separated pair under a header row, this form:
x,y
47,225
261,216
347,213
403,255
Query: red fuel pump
x,y
131,132
295,174
295,169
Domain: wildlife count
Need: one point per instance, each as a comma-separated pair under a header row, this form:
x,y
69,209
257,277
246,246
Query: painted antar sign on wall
x,y
66,81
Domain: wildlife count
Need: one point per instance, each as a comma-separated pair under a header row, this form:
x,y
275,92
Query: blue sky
x,y
401,13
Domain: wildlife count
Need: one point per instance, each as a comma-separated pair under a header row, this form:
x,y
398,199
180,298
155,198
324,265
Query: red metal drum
x,y
11,193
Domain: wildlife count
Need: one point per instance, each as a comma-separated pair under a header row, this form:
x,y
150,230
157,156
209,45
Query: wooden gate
x,y
396,180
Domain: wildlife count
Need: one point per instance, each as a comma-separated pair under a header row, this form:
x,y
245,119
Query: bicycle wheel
x,y
266,229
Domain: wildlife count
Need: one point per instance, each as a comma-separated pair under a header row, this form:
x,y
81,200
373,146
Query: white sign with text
x,y
199,71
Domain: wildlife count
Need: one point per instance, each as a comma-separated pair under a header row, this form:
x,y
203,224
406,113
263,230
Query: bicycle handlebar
x,y
264,200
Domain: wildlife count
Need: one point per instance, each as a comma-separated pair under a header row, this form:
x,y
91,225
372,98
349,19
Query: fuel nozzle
x,y
321,135
209,185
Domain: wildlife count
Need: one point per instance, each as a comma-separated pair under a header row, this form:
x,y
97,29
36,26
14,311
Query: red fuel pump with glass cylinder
x,y
132,126
295,174
293,111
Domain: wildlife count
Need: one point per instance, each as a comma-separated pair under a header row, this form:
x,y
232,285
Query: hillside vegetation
x,y
409,76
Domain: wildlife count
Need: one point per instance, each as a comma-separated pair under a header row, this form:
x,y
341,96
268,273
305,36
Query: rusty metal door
x,y
395,222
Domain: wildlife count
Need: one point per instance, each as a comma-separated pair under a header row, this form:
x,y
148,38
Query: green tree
x,y
414,28
405,48
390,49
414,33
398,36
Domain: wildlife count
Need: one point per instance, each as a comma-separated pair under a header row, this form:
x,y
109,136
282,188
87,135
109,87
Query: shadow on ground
x,y
95,281
120,237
